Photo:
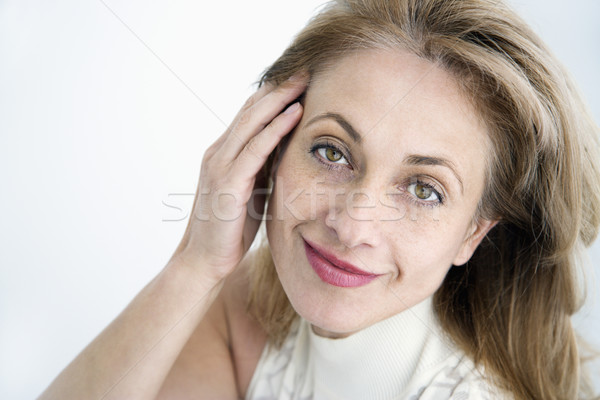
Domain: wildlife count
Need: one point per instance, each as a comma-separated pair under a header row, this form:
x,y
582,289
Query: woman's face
x,y
376,193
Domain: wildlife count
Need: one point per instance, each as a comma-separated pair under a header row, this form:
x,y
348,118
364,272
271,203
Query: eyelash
x,y
440,197
332,165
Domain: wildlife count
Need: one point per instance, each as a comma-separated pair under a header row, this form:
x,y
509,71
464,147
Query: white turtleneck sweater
x,y
405,356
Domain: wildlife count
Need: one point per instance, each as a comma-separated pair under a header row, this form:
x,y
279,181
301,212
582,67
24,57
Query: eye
x,y
424,192
331,154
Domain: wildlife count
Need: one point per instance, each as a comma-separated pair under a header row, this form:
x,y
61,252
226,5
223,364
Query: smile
x,y
334,271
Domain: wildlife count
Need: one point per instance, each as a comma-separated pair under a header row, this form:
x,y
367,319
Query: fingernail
x,y
292,108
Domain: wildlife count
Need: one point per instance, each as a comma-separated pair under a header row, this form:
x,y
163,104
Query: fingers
x,y
255,98
230,167
259,94
259,112
255,153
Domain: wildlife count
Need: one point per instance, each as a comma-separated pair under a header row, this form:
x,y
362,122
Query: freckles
x,y
294,197
422,245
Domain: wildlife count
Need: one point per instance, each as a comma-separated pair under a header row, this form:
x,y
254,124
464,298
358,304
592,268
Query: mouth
x,y
334,271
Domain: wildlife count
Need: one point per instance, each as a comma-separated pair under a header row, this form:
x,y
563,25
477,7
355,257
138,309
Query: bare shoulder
x,y
220,357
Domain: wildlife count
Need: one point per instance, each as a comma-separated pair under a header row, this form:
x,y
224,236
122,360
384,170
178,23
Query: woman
x,y
434,178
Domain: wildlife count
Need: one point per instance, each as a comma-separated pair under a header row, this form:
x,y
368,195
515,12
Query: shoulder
x,y
219,358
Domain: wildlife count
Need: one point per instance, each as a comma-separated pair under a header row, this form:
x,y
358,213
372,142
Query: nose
x,y
354,220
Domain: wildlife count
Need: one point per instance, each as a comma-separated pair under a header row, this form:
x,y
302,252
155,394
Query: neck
x,y
382,358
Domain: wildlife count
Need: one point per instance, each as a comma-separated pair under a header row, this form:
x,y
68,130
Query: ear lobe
x,y
478,232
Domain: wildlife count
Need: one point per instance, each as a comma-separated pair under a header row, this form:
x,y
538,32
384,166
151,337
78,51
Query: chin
x,y
328,309
329,319
335,309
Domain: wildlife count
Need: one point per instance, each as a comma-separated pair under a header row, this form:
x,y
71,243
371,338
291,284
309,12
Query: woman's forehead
x,y
401,100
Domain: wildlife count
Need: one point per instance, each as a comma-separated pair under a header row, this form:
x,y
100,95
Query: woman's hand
x,y
226,213
133,355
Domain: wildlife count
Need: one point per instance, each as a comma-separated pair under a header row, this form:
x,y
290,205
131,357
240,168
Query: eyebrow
x,y
343,122
414,159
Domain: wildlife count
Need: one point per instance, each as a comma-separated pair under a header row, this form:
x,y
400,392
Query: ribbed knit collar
x,y
377,362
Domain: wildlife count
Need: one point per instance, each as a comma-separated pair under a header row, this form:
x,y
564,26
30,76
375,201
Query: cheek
x,y
428,246
298,190
286,208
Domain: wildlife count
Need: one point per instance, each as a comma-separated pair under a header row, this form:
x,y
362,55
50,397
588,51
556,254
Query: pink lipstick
x,y
334,271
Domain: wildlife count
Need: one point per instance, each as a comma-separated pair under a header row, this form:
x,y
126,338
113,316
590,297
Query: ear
x,y
475,235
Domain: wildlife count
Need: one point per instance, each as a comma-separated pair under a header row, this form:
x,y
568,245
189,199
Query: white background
x,y
102,120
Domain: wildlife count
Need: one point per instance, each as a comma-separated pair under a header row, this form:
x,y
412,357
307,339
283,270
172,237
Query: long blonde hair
x,y
509,307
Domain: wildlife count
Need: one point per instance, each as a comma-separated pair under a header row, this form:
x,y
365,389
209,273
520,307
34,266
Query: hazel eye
x,y
423,192
332,154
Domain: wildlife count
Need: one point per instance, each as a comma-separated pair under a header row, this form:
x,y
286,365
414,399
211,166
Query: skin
x,y
173,340
187,335
401,107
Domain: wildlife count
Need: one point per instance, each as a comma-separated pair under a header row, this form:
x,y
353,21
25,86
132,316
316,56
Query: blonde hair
x,y
509,307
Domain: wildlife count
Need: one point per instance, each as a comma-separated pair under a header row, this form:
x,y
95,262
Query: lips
x,y
334,271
